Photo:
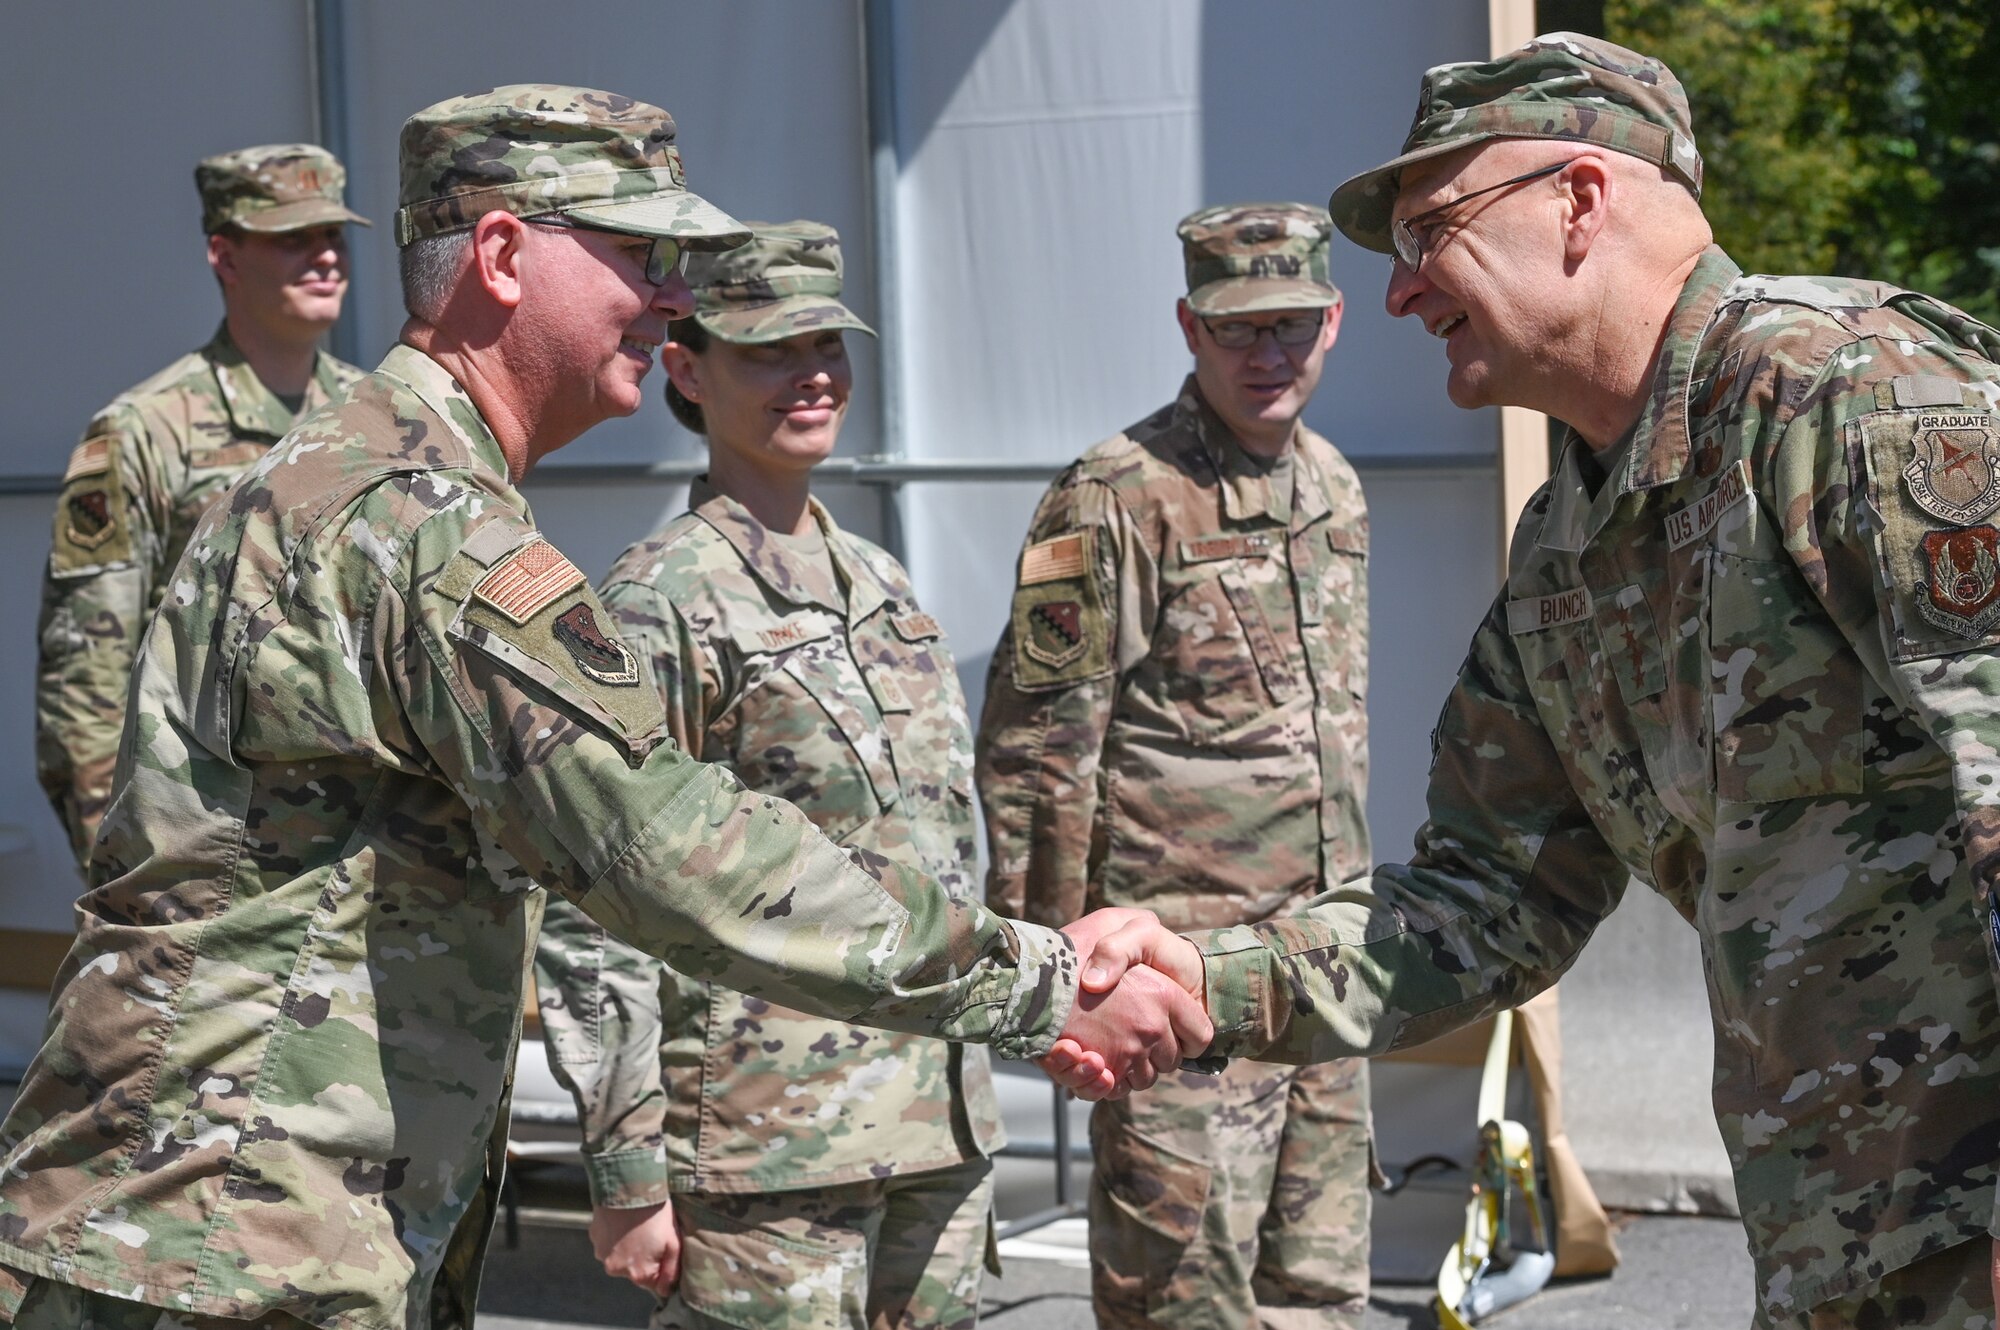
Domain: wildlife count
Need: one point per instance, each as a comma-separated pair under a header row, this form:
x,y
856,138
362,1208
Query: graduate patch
x,y
1954,473
1960,592
1055,633
605,659
528,579
91,521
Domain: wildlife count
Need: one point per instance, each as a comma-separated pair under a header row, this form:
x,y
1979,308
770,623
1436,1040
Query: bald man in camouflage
x,y
1177,720
1745,654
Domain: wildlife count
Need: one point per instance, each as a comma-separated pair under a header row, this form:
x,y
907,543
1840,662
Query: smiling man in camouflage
x,y
1177,720
377,716
152,461
1745,654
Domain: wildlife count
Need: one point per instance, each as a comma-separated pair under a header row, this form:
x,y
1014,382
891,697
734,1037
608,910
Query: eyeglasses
x,y
1292,330
1403,235
664,256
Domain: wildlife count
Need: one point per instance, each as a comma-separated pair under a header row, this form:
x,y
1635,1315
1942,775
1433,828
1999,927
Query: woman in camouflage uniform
x,y
821,1174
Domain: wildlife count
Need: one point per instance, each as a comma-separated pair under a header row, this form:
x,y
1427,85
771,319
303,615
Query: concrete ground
x,y
1679,1273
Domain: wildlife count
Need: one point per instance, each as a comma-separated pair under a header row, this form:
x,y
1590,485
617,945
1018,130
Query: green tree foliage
x,y
1858,137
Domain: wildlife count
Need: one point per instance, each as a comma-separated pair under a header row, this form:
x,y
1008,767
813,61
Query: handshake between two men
x,y
1141,1006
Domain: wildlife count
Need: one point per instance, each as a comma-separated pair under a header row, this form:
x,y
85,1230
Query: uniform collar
x,y
779,569
1251,487
1655,451
442,393
252,407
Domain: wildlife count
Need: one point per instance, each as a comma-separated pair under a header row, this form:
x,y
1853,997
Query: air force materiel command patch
x,y
1960,592
1954,473
528,579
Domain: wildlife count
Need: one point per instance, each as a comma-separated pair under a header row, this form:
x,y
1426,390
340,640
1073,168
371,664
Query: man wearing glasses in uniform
x,y
1176,721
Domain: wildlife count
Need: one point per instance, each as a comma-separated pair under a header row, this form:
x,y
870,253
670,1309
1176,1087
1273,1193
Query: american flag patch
x,y
1052,560
91,456
528,579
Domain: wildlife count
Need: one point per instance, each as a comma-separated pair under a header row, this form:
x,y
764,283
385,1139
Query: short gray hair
x,y
430,266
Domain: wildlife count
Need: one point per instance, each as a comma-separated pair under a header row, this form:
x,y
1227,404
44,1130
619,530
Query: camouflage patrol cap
x,y
535,148
1559,86
785,281
271,188
1246,257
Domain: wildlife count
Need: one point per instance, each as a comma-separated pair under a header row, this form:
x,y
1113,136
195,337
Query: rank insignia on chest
x,y
1055,632
90,520
1954,473
1961,593
605,659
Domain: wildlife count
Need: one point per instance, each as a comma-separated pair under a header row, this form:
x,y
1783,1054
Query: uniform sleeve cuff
x,y
1044,991
1238,967
627,1179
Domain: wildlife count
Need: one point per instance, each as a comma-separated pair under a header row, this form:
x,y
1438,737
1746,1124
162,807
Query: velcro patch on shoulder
x,y
90,457
528,579
1912,390
1532,614
916,626
1067,555
1227,545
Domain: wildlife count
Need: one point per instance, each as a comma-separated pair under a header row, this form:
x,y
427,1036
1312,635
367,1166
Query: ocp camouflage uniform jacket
x,y
1177,718
1749,668
148,467
849,707
377,712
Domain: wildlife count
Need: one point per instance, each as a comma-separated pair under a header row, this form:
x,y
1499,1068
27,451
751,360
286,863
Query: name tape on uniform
x,y
1693,521
528,579
1053,560
1243,545
916,626
1534,613
793,632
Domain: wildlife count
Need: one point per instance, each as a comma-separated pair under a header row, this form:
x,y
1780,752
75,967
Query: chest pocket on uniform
x,y
1224,666
1786,726
809,730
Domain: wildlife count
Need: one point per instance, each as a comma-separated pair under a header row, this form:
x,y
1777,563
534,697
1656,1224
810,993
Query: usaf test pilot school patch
x,y
1061,633
1934,475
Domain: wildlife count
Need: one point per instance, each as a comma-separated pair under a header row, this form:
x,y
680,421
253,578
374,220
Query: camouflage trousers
x,y
906,1251
1952,1290
1234,1202
48,1305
